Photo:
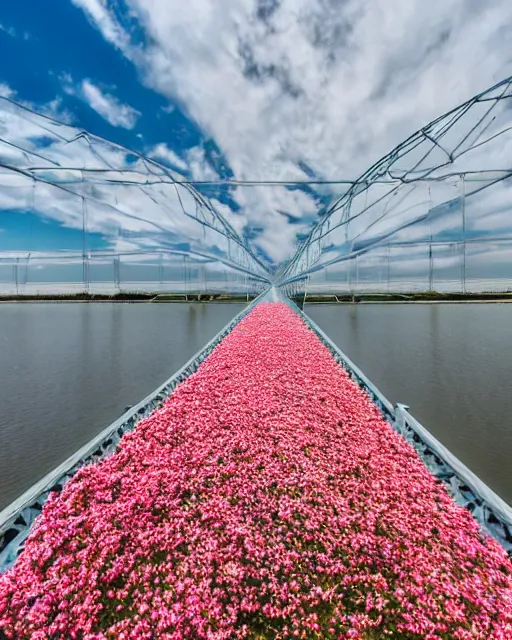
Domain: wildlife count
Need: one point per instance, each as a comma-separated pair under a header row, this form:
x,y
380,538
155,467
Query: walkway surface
x,y
268,498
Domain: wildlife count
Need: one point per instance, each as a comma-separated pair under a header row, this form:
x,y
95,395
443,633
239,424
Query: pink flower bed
x,y
268,498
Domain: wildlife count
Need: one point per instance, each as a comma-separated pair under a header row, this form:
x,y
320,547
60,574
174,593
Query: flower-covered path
x,y
268,498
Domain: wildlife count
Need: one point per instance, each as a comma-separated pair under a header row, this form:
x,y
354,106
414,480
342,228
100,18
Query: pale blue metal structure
x,y
436,208
117,218
431,214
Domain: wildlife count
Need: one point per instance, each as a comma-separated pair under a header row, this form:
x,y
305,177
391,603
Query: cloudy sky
x,y
264,90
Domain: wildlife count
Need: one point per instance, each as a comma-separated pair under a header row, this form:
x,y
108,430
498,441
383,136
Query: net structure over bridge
x,y
433,213
80,212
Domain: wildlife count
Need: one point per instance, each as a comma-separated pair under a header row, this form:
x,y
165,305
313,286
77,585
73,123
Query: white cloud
x,y
333,86
199,166
13,33
9,30
6,91
52,109
195,162
98,13
162,152
104,103
107,105
328,84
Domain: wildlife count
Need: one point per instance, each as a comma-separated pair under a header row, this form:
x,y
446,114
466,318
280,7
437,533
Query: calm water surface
x,y
451,363
68,370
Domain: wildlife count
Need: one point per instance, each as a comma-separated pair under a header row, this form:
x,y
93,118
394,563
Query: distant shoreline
x,y
129,297
406,298
341,298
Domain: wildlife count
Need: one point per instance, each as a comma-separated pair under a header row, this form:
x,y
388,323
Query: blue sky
x,y
245,89
52,49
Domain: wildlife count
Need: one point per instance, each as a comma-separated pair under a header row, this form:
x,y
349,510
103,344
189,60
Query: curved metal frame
x,y
328,243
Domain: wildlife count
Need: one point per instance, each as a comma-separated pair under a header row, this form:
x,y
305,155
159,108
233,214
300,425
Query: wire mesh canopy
x,y
75,208
72,203
442,196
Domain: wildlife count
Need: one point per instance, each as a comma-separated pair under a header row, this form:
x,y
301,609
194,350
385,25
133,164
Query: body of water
x,y
68,370
451,363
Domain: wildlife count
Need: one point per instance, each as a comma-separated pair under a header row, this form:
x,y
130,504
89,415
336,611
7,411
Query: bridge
x,y
267,488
